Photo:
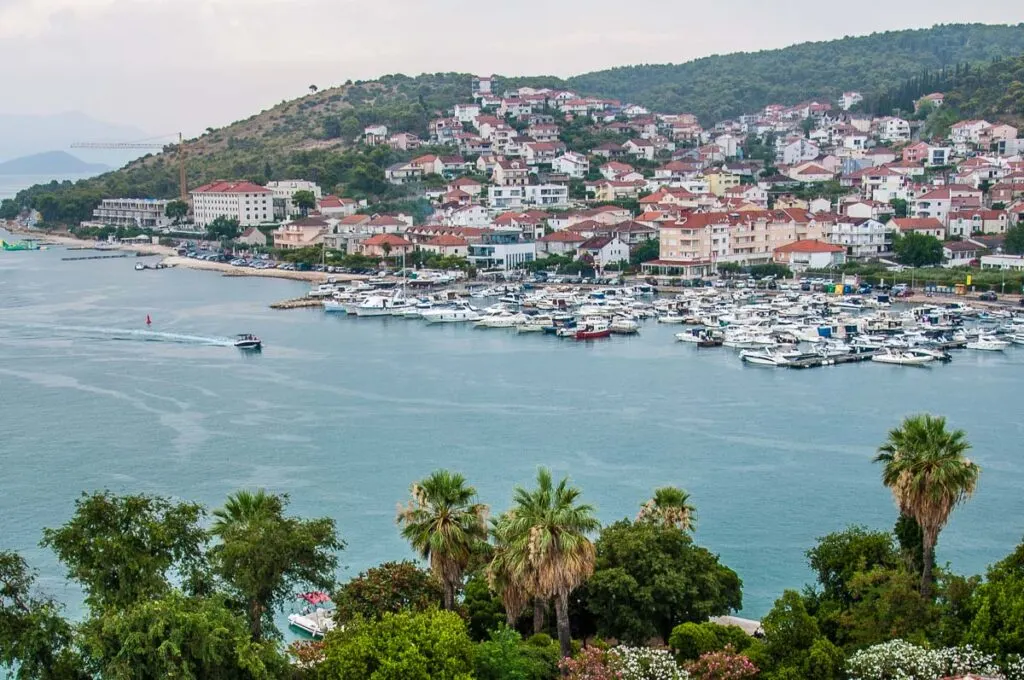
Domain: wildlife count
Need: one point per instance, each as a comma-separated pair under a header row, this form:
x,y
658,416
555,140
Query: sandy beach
x,y
171,258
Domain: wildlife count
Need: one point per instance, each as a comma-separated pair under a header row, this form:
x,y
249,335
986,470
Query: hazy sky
x,y
165,65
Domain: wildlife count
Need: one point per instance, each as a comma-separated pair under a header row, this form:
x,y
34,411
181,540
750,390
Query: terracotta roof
x,y
386,239
915,223
596,242
355,219
810,246
562,237
447,240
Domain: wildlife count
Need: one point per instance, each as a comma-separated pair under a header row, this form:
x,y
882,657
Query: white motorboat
x,y
248,341
450,315
672,318
1017,338
314,620
766,357
623,326
989,344
503,319
335,305
901,358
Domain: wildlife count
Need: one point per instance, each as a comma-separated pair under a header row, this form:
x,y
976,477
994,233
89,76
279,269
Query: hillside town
x,y
813,185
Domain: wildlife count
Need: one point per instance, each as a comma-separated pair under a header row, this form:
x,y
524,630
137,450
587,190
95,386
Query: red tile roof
x,y
915,223
447,240
810,246
388,239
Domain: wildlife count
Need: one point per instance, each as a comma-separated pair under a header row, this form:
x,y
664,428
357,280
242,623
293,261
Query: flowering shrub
x,y
589,664
723,665
622,663
644,663
900,660
1014,668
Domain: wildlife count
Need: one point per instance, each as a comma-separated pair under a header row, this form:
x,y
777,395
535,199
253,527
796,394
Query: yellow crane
x,y
182,180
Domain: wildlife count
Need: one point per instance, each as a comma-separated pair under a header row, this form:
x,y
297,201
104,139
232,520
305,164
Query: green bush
x,y
689,640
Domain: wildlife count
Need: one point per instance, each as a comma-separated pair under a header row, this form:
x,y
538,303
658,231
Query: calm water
x,y
12,184
343,414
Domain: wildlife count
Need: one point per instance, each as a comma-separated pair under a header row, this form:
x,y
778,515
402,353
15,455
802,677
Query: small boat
x,y
593,332
450,315
139,266
314,620
622,326
766,357
988,344
672,318
248,341
901,358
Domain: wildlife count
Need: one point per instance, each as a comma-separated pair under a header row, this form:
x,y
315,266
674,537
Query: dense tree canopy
x,y
649,578
917,250
389,587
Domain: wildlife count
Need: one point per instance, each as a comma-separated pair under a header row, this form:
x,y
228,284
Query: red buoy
x,y
148,320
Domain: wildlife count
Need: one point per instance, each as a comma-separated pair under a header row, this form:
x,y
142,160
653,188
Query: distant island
x,y
55,163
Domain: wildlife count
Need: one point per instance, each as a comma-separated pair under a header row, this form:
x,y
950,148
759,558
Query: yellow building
x,y
719,182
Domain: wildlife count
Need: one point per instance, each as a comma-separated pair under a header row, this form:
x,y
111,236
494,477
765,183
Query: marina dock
x,y
298,303
98,257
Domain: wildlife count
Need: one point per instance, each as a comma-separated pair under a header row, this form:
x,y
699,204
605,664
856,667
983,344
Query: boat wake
x,y
142,335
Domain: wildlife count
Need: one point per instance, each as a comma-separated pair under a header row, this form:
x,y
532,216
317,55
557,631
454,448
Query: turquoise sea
x,y
343,414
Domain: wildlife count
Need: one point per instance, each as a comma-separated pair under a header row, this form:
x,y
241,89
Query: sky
x,y
170,65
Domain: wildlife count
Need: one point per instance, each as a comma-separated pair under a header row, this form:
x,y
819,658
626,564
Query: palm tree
x,y
547,535
242,508
505,575
671,507
442,523
928,474
242,511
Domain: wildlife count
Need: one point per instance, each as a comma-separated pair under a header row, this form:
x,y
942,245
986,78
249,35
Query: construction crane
x,y
182,180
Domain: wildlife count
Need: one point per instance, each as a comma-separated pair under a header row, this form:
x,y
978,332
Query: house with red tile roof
x,y
560,242
446,245
385,245
809,254
929,226
332,206
965,222
604,250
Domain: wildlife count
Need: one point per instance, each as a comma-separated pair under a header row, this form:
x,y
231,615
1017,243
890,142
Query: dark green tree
x,y
431,645
390,587
176,211
179,637
123,549
997,625
223,229
34,636
505,656
1014,242
649,578
264,556
644,252
9,209
304,201
482,609
918,250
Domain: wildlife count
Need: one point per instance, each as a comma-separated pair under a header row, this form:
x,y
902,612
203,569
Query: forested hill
x,y
310,137
720,87
994,91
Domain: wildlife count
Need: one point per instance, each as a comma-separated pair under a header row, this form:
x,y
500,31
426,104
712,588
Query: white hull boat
x,y
988,344
450,315
903,358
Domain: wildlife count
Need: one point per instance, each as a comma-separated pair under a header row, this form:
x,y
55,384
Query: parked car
x,y
988,296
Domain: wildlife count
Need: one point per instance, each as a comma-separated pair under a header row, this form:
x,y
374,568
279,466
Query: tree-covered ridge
x,y
724,86
993,91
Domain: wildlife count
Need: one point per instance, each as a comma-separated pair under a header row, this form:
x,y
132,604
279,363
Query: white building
x,y
466,113
573,164
502,198
847,101
501,250
146,213
284,190
893,129
244,201
861,237
1008,262
799,150
547,195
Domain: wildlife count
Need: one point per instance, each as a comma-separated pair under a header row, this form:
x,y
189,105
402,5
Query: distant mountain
x,y
51,163
26,134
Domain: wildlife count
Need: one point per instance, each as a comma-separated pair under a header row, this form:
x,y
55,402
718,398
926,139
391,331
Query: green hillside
x,y
720,87
310,137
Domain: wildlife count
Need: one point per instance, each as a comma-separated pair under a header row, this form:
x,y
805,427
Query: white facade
x,y
246,202
893,130
503,198
861,239
466,113
573,164
547,195
501,255
146,213
799,150
1008,262
284,190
